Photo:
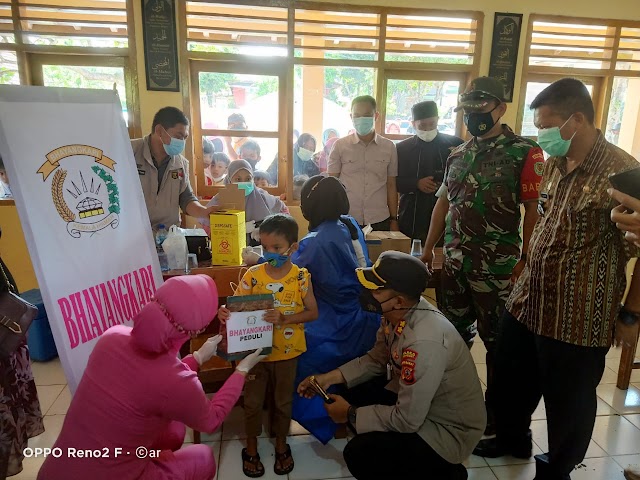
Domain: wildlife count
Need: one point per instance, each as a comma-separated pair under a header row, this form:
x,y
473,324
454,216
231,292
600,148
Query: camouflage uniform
x,y
485,183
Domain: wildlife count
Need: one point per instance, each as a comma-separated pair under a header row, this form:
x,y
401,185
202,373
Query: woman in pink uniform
x,y
136,395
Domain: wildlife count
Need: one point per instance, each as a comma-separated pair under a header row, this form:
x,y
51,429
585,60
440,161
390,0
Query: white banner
x,y
76,188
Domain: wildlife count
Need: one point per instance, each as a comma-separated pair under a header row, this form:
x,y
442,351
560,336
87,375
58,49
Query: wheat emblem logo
x,y
85,189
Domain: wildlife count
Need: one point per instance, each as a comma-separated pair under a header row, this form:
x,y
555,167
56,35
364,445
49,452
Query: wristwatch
x,y
627,317
351,416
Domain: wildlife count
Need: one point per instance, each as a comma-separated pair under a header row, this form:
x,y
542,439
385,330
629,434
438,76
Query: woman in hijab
x,y
136,395
323,158
258,204
303,150
331,251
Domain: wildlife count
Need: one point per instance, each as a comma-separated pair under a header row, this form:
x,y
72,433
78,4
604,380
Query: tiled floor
x,y
615,441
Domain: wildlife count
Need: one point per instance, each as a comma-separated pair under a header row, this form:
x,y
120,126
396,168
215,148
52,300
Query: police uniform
x,y
418,159
163,196
429,405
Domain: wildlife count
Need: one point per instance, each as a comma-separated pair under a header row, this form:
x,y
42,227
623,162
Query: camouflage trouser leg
x,y
468,298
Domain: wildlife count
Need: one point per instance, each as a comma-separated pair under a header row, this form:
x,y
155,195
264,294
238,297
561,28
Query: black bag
x,y
200,246
16,316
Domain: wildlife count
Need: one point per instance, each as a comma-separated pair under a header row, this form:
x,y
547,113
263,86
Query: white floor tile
x,y
230,465
48,373
297,429
47,395
540,412
623,401
597,469
626,460
616,435
30,469
314,460
509,460
52,428
634,418
475,462
609,376
61,405
515,472
614,352
604,408
484,473
613,364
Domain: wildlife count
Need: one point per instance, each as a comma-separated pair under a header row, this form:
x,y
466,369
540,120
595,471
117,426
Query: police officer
x,y
421,162
486,180
414,400
164,171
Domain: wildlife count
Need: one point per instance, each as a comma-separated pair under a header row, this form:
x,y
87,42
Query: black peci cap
x,y
398,271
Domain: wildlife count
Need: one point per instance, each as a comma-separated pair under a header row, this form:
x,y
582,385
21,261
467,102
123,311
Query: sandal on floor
x,y
281,458
253,460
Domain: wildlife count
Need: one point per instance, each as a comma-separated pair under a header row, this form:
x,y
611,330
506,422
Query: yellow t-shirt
x,y
288,292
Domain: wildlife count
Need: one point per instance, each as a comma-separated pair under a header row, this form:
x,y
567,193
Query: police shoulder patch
x,y
538,167
408,366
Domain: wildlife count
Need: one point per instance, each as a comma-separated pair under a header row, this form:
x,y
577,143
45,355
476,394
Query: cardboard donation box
x,y
246,331
378,242
228,237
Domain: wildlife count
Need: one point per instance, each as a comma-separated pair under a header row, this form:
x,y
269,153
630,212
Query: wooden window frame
x,y
30,59
602,79
413,70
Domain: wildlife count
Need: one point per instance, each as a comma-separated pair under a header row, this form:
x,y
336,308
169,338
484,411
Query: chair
x,y
627,360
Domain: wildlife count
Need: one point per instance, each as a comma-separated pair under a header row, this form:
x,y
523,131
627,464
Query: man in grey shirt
x,y
415,397
164,171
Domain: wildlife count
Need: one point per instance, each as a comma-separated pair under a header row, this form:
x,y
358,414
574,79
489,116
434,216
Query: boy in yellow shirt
x,y
294,306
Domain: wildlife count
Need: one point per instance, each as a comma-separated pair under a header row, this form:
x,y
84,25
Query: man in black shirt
x,y
421,162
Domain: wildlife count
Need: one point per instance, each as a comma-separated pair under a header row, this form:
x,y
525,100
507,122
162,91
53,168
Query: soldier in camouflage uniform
x,y
478,209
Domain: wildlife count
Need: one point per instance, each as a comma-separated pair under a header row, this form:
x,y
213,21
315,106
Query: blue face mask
x,y
276,259
247,187
175,147
363,125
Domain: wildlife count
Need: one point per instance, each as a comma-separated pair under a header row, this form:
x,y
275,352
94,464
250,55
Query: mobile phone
x,y
627,182
319,390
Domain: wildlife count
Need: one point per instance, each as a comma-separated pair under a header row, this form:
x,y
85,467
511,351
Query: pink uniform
x,y
136,393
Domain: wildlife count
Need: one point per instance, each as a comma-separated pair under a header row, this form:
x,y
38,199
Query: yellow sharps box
x,y
228,237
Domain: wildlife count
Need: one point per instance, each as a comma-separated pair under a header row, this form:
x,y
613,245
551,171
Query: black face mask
x,y
479,124
370,304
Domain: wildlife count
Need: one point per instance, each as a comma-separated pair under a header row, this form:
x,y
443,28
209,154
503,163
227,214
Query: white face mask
x,y
427,135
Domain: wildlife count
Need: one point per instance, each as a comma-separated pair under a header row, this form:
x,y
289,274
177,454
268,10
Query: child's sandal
x,y
282,458
253,460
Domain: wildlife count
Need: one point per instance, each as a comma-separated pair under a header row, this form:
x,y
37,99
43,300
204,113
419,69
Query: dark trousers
x,y
530,366
375,455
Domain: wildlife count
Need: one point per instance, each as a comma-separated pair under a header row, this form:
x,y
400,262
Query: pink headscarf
x,y
181,307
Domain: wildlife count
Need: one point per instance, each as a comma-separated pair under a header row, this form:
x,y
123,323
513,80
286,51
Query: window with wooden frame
x,y
308,61
71,43
604,54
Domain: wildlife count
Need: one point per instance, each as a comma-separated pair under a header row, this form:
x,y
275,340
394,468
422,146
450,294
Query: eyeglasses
x,y
477,95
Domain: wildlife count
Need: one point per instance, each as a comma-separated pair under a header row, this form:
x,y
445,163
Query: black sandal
x,y
253,460
282,457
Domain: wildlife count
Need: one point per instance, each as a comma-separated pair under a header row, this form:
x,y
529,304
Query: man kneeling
x,y
414,400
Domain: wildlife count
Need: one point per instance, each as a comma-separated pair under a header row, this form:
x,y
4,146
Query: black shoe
x,y
491,448
459,473
544,470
